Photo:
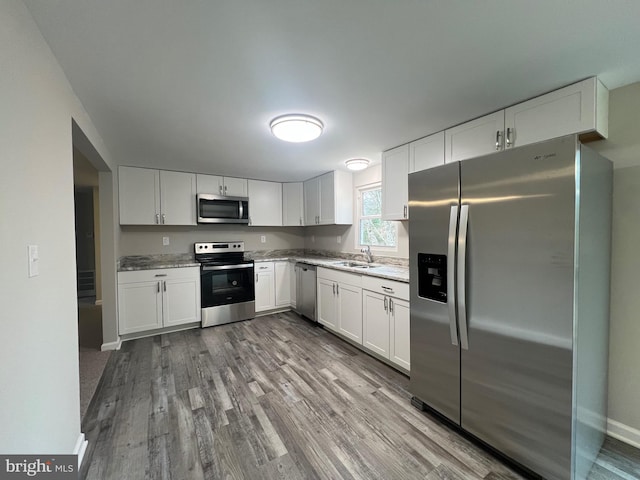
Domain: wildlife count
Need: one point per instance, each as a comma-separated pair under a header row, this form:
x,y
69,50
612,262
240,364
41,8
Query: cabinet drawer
x,y
340,276
263,267
386,287
135,276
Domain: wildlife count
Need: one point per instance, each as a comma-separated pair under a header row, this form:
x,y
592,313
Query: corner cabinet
x,y
581,108
385,314
153,299
339,302
156,197
328,199
292,204
283,280
265,203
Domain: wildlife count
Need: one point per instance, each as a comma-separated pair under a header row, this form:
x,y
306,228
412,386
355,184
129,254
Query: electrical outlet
x,y
263,239
165,241
339,239
34,260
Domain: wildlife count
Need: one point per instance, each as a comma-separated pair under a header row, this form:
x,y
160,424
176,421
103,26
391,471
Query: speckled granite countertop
x,y
391,269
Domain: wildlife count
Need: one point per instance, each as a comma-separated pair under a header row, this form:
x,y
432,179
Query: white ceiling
x,y
192,84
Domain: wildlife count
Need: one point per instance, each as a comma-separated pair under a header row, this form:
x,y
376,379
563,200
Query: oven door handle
x,y
226,267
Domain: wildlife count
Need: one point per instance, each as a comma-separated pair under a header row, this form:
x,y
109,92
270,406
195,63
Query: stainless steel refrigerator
x,y
509,269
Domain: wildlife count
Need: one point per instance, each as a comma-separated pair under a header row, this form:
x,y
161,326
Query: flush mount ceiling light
x,y
296,128
357,163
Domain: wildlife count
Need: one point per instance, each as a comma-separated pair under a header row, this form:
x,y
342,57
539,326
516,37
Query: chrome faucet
x,y
367,252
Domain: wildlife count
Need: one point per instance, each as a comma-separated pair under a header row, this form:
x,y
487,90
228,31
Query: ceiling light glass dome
x,y
296,128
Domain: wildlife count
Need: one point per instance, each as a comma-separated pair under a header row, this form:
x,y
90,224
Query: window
x,y
372,230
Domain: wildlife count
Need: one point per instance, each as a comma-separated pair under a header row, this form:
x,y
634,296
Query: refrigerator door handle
x,y
462,270
451,270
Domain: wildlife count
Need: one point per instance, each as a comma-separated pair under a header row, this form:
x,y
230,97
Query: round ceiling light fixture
x,y
296,128
357,163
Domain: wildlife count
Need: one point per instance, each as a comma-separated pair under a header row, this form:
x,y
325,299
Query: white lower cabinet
x,y
339,298
152,299
385,312
265,286
283,276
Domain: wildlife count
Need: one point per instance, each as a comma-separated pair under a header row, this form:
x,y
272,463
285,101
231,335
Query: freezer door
x,y
435,355
516,384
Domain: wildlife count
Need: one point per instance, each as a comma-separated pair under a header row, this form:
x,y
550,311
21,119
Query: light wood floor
x,y
275,397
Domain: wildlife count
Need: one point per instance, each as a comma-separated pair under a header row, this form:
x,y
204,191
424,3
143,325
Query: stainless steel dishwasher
x,y
306,290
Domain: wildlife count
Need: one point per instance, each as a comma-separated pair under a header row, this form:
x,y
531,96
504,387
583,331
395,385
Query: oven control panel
x,y
218,247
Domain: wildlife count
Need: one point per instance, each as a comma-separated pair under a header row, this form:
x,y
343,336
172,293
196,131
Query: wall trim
x,y
623,432
112,345
81,448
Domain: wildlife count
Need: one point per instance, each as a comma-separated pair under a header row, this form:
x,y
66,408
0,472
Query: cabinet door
x,y
292,204
327,199
139,196
375,315
265,203
139,307
350,311
293,285
283,275
327,311
395,183
399,352
235,187
265,287
180,301
209,184
426,153
569,110
478,137
178,198
311,201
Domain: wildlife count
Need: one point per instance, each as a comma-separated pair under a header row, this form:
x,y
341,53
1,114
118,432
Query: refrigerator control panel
x,y
432,277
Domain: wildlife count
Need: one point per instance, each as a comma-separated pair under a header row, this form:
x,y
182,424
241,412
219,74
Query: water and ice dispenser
x,y
432,276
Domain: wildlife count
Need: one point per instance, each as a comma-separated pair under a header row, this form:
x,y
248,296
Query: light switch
x,y
263,239
34,260
165,241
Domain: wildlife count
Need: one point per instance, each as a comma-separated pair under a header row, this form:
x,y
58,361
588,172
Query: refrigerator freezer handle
x,y
462,276
451,270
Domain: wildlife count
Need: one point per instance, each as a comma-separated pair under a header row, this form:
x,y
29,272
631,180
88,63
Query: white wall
x,y
39,393
325,237
623,148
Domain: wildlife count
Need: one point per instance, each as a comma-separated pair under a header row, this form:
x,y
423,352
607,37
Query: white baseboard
x,y
81,448
623,432
112,345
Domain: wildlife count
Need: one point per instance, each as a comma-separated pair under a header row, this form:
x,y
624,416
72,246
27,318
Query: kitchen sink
x,y
356,265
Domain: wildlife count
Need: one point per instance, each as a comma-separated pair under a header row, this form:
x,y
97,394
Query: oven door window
x,y
226,286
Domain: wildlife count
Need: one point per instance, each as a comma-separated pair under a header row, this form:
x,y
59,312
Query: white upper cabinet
x,y
475,138
426,153
155,197
292,204
216,185
328,199
265,204
395,185
579,108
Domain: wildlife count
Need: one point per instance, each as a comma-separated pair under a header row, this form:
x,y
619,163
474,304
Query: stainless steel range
x,y
226,283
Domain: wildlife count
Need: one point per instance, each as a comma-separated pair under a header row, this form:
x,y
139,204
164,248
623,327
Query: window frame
x,y
358,217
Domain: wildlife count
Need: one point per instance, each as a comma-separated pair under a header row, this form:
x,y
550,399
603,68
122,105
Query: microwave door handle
x,y
226,267
241,209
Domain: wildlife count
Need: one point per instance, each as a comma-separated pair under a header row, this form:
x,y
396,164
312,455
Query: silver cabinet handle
x,y
220,189
337,289
385,304
508,137
256,278
161,275
263,268
157,218
164,286
387,289
391,305
462,296
158,287
334,288
164,218
300,220
451,271
225,189
498,139
405,211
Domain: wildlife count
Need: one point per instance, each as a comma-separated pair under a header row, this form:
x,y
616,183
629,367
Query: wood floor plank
x,y
277,397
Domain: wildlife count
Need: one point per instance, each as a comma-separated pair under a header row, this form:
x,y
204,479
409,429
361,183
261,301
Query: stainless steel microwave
x,y
222,209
